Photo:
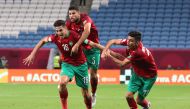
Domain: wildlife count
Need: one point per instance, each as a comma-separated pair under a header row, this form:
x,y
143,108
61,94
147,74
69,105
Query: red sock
x,y
88,102
144,103
63,98
94,83
132,103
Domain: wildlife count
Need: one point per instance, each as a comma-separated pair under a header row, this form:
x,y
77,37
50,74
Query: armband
x,y
86,41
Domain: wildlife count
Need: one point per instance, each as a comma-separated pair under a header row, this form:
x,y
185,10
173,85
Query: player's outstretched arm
x,y
101,47
116,55
121,63
108,45
29,60
95,45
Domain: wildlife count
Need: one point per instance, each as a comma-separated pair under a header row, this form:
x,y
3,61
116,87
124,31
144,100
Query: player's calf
x,y
63,94
144,103
131,101
87,98
148,107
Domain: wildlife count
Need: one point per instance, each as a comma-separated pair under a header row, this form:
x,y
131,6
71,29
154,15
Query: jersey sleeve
x,y
87,19
124,42
51,38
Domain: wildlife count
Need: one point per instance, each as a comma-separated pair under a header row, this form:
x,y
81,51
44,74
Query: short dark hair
x,y
74,8
59,23
135,34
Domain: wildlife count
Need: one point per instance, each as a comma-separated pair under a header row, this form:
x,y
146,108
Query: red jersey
x,y
142,60
79,28
65,45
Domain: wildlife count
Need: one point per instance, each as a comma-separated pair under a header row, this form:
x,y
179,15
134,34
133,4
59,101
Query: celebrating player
x,y
83,24
72,65
144,70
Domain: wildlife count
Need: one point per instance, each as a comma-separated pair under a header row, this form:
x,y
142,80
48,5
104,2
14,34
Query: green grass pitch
x,y
43,96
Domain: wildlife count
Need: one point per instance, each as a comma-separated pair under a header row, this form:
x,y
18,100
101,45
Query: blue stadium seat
x,y
114,29
147,33
148,28
158,24
146,38
143,15
172,46
187,46
163,46
180,46
173,34
2,41
183,29
146,41
155,38
183,24
166,34
155,42
164,38
174,28
154,45
11,41
173,38
141,24
181,34
174,24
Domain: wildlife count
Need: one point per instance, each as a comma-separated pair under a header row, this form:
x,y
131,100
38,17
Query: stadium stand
x,y
24,22
160,21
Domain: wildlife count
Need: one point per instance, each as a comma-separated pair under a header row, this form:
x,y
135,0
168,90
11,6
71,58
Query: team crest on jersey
x,y
71,43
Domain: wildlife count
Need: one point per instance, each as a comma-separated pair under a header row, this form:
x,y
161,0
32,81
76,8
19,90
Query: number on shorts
x,y
145,92
93,60
85,80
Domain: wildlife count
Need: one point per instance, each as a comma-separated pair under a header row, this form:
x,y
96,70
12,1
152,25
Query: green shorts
x,y
80,73
93,58
140,84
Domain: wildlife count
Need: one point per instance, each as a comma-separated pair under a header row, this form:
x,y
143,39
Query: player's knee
x,y
93,73
64,80
87,97
62,86
129,96
138,101
86,93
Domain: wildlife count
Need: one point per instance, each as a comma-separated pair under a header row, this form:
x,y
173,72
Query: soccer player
x,y
84,25
144,69
72,65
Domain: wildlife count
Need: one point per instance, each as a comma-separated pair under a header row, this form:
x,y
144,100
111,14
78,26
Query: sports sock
x,y
63,98
144,103
94,83
88,102
132,103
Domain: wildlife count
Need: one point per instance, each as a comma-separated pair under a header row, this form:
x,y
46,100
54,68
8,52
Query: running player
x,y
144,69
72,65
84,25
